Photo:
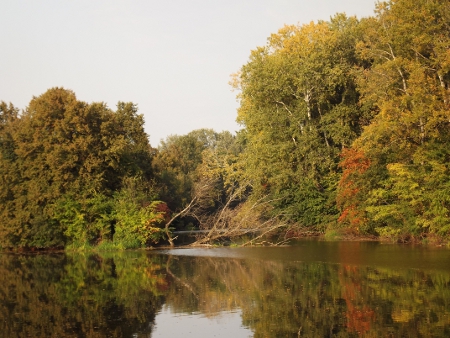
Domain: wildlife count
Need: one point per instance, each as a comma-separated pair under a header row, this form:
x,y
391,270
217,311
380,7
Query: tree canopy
x,y
62,162
299,107
347,121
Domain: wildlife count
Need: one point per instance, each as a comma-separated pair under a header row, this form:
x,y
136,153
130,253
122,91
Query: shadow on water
x,y
311,289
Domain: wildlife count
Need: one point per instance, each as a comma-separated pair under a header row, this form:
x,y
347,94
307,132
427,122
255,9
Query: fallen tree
x,y
235,215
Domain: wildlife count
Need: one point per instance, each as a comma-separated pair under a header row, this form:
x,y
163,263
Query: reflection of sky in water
x,y
223,324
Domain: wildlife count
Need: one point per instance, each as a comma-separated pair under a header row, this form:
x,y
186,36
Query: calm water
x,y
311,289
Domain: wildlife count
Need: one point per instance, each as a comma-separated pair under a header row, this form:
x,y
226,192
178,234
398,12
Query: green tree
x,y
178,161
299,107
65,158
8,164
174,165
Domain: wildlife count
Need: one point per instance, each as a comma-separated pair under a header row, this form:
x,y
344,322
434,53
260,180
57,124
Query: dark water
x,y
311,289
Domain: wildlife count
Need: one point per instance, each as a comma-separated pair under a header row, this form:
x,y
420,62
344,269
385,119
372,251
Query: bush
x,y
139,220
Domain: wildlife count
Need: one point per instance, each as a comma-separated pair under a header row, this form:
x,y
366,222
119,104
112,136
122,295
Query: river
x,y
312,288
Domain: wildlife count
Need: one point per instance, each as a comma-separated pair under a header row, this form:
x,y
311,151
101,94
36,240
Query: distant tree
x,y
178,159
174,166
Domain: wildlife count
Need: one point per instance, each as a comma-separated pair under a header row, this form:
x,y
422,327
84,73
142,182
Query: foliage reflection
x,y
79,296
118,295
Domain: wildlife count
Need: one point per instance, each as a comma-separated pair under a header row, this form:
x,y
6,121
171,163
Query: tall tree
x,y
8,163
69,157
406,186
299,107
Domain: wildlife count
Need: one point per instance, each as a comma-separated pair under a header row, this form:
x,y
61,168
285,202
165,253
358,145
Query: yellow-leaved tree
x,y
407,186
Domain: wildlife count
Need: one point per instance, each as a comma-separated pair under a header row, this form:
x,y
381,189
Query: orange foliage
x,y
359,316
353,161
164,211
354,164
353,216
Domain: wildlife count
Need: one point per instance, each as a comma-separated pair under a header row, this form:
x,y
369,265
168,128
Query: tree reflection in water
x,y
79,296
120,295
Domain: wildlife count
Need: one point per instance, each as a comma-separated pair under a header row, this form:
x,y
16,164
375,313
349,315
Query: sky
x,y
172,58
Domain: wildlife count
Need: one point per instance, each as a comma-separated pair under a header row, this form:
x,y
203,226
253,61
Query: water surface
x,y
311,289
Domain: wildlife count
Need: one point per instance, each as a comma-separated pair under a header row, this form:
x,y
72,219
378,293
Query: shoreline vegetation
x,y
329,236
345,134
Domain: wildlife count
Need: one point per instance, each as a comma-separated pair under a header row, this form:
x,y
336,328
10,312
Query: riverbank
x,y
330,236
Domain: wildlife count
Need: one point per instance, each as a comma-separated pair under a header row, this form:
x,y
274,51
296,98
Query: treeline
x,y
77,174
345,129
74,173
347,122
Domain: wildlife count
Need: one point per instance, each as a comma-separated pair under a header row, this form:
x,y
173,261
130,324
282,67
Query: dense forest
x,y
345,130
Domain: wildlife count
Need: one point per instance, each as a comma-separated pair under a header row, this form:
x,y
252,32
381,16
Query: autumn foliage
x,y
345,125
354,164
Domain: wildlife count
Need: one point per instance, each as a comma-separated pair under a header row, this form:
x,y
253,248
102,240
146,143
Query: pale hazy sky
x,y
173,58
